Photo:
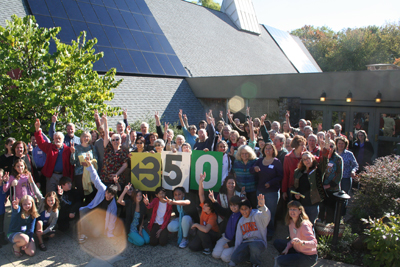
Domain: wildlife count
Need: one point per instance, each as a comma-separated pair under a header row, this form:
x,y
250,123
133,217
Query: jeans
x,y
271,201
252,250
187,222
139,240
293,258
312,212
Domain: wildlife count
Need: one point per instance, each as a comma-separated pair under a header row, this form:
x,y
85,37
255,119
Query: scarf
x,y
181,214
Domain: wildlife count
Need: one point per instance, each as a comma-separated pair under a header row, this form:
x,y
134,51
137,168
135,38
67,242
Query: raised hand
x,y
72,148
230,115
15,203
185,117
319,128
96,115
127,187
202,177
287,115
262,119
166,124
37,125
248,111
125,113
128,129
219,138
60,191
115,179
169,201
221,114
145,200
211,196
30,147
261,200
6,176
180,114
54,117
351,136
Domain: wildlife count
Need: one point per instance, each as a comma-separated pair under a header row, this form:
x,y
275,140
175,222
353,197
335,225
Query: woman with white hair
x,y
115,158
245,159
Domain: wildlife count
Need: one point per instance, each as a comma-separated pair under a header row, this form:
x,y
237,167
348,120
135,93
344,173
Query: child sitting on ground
x,y
159,218
48,211
69,203
22,225
207,232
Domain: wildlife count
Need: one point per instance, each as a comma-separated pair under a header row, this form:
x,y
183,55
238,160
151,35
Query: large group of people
x,y
268,168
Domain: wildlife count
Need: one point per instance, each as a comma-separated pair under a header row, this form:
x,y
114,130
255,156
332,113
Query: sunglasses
x,y
115,140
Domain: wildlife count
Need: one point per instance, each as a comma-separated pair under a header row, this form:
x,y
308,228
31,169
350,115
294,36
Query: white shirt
x,y
226,167
162,208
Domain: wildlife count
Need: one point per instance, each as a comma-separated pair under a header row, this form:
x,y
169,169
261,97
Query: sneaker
x,y
207,251
255,265
184,243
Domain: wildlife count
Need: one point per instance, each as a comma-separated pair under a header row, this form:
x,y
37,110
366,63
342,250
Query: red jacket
x,y
167,215
289,165
52,154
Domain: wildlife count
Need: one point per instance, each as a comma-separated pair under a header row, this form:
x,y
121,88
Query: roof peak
x,y
242,14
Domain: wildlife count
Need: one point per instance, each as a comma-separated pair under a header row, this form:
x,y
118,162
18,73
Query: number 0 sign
x,y
146,171
176,170
209,162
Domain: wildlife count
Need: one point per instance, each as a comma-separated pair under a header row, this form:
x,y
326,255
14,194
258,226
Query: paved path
x,y
64,250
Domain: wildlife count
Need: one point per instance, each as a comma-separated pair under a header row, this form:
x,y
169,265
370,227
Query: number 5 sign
x,y
146,171
209,162
176,170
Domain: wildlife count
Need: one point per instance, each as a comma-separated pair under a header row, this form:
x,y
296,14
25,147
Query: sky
x,y
289,15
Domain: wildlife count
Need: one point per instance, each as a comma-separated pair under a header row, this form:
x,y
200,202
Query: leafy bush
x,y
343,251
383,241
379,189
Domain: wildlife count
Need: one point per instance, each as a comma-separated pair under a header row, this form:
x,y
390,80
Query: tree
x,y
209,4
351,49
36,84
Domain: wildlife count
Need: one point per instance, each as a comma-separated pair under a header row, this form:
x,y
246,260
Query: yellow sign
x,y
146,171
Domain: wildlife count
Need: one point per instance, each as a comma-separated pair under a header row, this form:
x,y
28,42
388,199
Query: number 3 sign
x,y
146,171
176,170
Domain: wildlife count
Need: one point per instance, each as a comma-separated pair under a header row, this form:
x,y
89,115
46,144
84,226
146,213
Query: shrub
x,y
383,241
343,251
379,189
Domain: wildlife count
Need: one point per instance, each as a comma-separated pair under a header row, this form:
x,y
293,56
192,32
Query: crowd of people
x,y
267,171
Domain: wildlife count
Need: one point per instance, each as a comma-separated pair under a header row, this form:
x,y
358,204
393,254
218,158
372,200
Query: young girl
x,y
226,244
185,213
301,250
207,232
22,225
48,211
159,217
135,213
21,175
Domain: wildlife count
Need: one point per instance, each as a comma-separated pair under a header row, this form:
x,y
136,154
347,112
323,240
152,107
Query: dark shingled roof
x,y
142,96
10,7
209,44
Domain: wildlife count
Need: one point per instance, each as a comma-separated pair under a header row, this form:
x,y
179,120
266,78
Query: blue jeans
x,y
312,212
139,240
252,250
346,184
293,258
271,201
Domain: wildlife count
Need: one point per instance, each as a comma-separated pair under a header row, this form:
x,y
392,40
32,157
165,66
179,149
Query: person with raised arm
x,y
115,158
206,138
70,128
207,231
246,131
58,158
100,223
188,131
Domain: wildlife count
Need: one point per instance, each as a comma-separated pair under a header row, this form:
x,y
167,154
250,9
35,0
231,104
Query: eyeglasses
x,y
115,140
331,146
157,145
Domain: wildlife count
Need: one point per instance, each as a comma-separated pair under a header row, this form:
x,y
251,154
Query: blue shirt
x,y
230,230
17,224
38,155
191,139
349,163
58,167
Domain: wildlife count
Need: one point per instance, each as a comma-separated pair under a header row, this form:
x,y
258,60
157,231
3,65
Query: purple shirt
x,y
272,174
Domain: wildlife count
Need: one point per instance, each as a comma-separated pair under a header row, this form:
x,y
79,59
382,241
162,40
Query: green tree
x,y
351,49
36,84
209,4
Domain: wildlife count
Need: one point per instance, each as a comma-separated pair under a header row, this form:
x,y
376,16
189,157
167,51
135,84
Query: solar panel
x,y
292,50
127,33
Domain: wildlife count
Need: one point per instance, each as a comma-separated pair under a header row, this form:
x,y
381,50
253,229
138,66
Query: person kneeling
x,y
301,250
251,233
101,213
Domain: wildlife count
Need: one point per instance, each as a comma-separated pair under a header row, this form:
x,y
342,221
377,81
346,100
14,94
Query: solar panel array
x,y
127,33
292,50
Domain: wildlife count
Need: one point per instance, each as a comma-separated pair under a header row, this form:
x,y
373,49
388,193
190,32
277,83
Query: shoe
x,y
207,251
42,247
82,239
17,254
184,243
255,265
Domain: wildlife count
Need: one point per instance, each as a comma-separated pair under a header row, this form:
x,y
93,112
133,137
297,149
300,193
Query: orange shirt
x,y
209,219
